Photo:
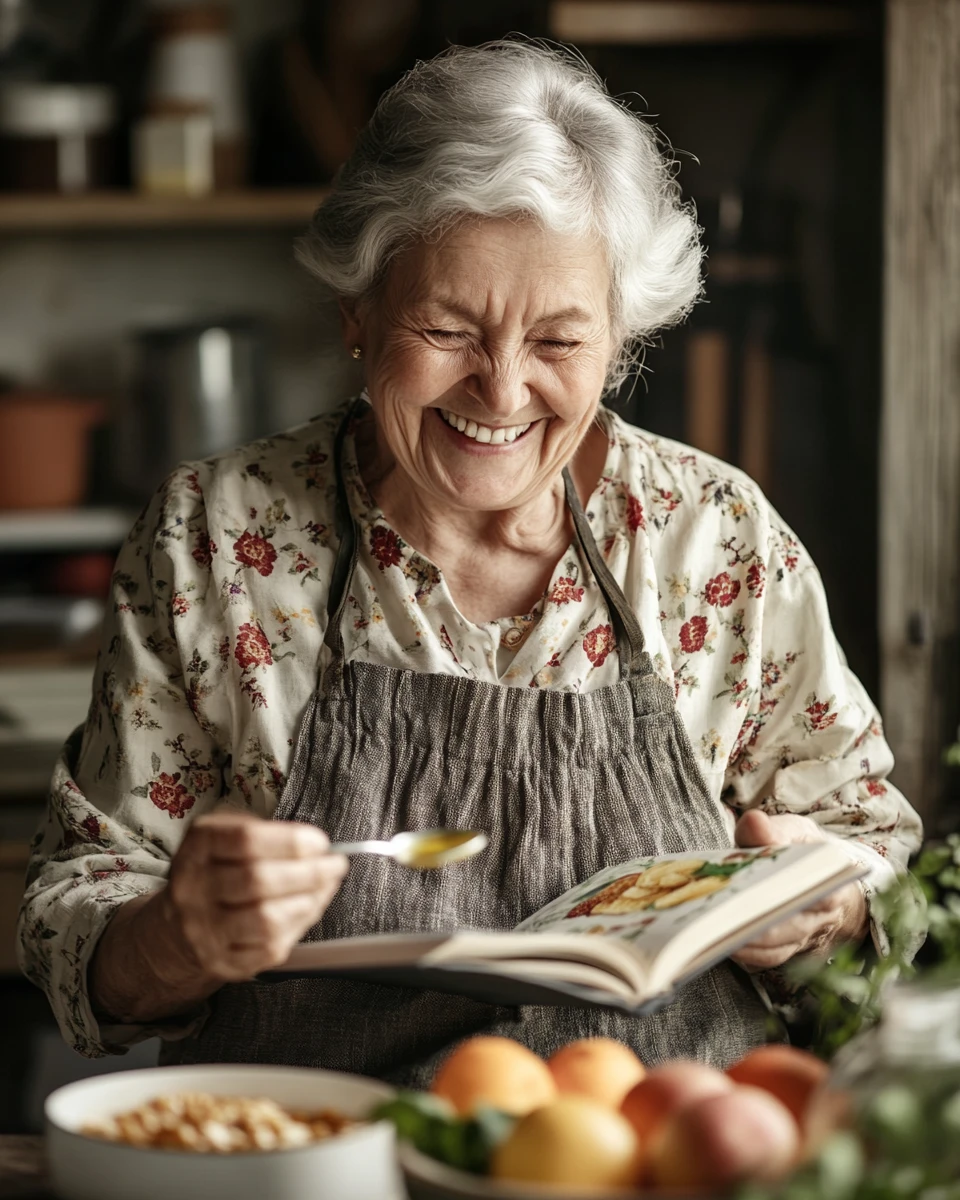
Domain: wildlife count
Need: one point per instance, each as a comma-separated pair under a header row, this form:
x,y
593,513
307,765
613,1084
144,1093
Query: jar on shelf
x,y
898,1085
56,137
194,67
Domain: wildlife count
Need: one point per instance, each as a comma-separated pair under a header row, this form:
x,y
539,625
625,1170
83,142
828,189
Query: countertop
x,y
23,1173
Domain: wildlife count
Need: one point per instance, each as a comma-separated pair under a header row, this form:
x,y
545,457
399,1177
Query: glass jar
x,y
898,1085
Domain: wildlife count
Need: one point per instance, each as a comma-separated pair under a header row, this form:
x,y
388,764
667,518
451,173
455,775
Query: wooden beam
x,y
645,22
920,440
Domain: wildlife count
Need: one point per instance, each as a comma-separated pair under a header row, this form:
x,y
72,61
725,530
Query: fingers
x,y
244,890
756,828
238,884
274,925
238,837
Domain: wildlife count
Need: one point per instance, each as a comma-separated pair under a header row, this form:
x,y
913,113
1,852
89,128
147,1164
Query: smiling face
x,y
485,357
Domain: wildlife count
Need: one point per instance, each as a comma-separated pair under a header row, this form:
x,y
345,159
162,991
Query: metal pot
x,y
198,389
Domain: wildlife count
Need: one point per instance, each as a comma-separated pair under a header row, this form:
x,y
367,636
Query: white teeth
x,y
495,436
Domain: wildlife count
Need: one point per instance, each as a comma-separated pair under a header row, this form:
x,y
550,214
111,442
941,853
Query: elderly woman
x,y
471,597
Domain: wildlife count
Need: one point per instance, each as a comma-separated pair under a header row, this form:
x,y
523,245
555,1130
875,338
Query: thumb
x,y
756,829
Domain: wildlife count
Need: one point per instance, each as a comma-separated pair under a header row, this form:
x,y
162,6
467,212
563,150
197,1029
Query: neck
x,y
540,526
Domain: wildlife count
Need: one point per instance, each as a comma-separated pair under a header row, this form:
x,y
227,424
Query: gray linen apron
x,y
565,783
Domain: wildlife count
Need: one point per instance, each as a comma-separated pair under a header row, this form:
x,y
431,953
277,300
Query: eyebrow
x,y
573,313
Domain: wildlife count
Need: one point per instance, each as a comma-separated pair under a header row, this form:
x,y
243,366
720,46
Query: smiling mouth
x,y
494,435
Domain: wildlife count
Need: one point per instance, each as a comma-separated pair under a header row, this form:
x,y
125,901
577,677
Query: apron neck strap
x,y
630,644
629,635
348,535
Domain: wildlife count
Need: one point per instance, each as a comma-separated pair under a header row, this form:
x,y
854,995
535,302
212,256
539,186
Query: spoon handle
x,y
371,847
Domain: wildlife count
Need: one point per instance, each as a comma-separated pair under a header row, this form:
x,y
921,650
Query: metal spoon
x,y
422,848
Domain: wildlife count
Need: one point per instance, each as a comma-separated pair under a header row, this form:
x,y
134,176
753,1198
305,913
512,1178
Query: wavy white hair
x,y
514,128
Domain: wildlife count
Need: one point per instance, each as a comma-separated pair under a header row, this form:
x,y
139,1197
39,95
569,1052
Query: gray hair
x,y
514,128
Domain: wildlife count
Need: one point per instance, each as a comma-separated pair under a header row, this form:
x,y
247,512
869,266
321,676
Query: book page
x,y
647,902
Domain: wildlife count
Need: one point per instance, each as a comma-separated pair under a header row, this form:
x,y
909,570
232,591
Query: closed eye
x,y
448,334
553,344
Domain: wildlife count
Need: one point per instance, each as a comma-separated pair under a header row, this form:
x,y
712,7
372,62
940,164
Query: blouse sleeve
x,y
811,741
129,782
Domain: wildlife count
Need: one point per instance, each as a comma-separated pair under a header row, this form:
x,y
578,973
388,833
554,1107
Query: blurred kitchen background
x,y
157,161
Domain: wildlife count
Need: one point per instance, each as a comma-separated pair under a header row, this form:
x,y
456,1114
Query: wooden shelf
x,y
22,211
64,529
649,22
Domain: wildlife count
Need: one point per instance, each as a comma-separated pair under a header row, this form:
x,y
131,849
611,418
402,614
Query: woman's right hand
x,y
243,891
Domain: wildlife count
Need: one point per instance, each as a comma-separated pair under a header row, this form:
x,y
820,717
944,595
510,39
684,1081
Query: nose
x,y
500,387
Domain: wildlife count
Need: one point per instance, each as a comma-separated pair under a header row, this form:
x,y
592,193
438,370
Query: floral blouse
x,y
214,644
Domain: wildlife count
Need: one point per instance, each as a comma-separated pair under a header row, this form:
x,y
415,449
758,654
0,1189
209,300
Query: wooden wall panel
x,y
920,440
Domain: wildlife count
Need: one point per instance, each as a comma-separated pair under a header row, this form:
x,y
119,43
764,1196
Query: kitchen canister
x,y
196,390
195,64
56,137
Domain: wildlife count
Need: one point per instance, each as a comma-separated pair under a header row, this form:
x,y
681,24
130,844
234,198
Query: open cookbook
x,y
626,938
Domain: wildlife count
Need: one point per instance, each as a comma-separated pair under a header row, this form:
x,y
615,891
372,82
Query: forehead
x,y
505,266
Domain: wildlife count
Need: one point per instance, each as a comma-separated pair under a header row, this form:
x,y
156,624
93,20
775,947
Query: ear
x,y
351,324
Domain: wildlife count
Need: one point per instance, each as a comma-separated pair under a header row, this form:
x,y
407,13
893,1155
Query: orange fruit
x,y
790,1074
573,1141
495,1071
731,1137
667,1089
598,1067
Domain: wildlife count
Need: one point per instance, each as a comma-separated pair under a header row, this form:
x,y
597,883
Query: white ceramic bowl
x,y
360,1164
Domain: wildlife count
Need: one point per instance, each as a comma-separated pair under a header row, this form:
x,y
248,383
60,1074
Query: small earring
x,y
357,352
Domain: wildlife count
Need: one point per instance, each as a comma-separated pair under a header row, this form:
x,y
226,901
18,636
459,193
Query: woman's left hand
x,y
840,917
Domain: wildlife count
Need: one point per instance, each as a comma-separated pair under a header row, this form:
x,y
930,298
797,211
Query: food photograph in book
x,y
650,895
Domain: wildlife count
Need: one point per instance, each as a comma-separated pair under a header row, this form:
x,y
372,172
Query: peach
x,y
495,1071
790,1074
667,1089
598,1067
733,1137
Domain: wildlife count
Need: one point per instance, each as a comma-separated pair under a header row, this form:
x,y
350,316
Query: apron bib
x,y
564,783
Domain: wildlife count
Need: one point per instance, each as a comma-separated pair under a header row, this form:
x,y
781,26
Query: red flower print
x,y
385,546
91,826
669,500
168,793
819,715
693,635
193,483
876,788
564,591
721,591
255,551
738,658
635,517
598,643
180,605
756,577
204,550
252,648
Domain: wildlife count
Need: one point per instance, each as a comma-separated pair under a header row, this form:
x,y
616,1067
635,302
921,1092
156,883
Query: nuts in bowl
x,y
204,1123
221,1132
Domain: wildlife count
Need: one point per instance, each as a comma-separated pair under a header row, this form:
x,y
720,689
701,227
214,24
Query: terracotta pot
x,y
44,449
